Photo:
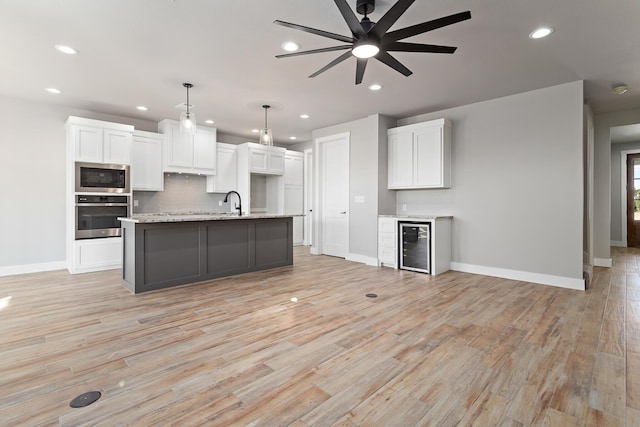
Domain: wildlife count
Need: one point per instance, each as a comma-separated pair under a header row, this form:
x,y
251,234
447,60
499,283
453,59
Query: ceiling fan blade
x,y
360,67
414,30
307,52
315,31
392,62
336,61
390,17
417,47
350,18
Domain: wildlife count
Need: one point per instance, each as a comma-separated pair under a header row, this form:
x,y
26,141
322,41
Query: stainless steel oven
x,y
102,178
97,216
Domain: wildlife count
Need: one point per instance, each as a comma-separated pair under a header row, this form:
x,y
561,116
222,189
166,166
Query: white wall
x,y
33,174
517,185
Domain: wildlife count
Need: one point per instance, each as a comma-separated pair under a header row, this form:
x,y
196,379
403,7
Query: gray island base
x,y
163,251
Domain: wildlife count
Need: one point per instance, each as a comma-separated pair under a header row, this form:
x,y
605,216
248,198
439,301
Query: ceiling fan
x,y
371,39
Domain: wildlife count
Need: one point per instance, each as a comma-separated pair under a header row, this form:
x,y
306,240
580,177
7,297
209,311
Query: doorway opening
x,y
633,200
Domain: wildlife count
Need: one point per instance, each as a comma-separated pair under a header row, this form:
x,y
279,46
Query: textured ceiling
x,y
139,52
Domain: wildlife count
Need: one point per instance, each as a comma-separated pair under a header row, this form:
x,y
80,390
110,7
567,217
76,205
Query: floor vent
x,y
85,399
371,295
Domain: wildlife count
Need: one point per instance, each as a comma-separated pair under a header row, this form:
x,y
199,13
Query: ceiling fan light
x,y
365,50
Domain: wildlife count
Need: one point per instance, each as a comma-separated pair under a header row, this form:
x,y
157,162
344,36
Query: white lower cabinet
x,y
96,254
440,240
387,242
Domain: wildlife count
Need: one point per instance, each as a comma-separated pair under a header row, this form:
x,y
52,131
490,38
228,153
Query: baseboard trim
x,y
602,262
32,268
525,276
362,259
618,243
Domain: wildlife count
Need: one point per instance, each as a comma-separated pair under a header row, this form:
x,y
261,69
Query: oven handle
x,y
102,204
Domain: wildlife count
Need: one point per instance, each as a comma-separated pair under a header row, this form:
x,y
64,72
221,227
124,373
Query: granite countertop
x,y
416,216
194,216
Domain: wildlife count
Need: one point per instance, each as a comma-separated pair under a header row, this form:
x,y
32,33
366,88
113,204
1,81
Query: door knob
x,y
343,213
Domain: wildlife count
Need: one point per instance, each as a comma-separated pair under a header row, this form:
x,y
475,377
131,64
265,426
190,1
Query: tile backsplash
x,y
182,193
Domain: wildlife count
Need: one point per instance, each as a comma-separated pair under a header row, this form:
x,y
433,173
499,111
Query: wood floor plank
x,y
453,349
633,380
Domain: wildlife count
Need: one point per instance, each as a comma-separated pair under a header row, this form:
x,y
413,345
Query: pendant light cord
x,y
266,107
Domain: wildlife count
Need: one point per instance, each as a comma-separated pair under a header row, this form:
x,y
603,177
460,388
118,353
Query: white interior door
x,y
335,194
308,197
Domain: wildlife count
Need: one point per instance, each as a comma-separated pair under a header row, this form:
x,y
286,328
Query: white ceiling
x,y
139,52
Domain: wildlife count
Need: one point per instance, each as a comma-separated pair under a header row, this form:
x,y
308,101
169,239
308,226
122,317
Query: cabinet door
x,y
293,170
276,163
401,160
258,160
117,147
226,175
428,157
179,148
88,143
146,164
293,200
204,152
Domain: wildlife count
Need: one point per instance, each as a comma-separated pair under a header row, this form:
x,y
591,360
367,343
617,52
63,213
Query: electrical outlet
x,y
404,208
135,203
219,202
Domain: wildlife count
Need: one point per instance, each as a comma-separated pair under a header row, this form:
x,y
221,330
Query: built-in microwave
x,y
102,178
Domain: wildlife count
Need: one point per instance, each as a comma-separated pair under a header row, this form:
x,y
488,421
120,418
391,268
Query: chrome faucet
x,y
239,206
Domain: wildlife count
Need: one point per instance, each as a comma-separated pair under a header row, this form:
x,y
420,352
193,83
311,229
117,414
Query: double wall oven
x,y
96,215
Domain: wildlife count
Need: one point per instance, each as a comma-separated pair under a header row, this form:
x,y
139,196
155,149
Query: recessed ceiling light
x,y
292,137
304,116
53,90
290,46
375,87
255,130
142,108
541,32
66,49
210,122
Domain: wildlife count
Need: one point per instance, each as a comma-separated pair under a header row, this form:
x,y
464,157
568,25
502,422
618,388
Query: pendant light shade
x,y
187,118
266,136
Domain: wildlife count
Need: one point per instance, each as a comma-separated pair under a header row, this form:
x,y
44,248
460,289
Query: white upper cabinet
x,y
100,142
188,153
146,161
420,155
293,162
263,159
226,178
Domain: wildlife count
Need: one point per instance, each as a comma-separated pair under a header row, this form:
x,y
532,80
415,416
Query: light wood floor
x,y
457,349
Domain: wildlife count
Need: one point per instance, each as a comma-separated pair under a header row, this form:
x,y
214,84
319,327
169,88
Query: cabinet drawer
x,y
387,225
387,240
387,255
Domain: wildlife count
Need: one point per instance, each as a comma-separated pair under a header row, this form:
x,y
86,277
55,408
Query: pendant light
x,y
266,136
187,118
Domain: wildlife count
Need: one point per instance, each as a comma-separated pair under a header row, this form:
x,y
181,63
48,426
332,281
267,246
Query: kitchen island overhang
x,y
161,251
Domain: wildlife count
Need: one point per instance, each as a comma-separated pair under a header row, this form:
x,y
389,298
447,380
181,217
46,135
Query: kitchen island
x,y
164,250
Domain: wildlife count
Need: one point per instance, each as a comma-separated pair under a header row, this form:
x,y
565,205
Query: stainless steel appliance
x,y
102,178
97,216
415,246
